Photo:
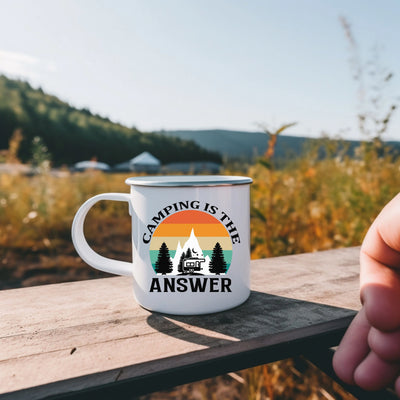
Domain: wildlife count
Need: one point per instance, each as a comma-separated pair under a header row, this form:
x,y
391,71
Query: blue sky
x,y
202,64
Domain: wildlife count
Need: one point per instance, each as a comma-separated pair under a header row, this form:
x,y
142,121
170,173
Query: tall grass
x,y
37,212
309,205
315,204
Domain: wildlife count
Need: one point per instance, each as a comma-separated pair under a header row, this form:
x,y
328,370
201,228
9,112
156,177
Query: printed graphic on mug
x,y
191,242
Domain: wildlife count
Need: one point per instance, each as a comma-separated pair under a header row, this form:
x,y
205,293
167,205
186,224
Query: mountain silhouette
x,y
193,245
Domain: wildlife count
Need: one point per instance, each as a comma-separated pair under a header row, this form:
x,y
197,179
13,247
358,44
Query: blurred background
x,y
300,95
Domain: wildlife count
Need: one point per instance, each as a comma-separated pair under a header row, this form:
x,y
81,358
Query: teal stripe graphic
x,y
154,255
227,255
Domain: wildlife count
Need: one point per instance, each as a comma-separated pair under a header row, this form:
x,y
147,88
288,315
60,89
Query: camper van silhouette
x,y
192,264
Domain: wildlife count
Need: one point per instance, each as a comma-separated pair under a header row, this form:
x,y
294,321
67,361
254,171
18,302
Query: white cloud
x,y
22,65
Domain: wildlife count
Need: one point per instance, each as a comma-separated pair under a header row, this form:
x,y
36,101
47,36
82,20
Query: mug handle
x,y
81,245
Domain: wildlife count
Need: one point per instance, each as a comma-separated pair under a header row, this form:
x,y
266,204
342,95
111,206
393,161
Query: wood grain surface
x,y
91,335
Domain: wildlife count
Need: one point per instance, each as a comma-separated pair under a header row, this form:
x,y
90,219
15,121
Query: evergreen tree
x,y
218,263
163,263
180,265
188,253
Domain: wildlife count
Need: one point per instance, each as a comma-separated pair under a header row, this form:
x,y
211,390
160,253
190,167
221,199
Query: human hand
x,y
369,353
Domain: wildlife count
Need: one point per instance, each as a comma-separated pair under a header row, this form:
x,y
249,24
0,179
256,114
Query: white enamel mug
x,y
190,242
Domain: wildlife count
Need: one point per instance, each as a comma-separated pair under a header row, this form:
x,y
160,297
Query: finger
x,y
382,241
352,349
397,387
380,269
374,373
385,344
380,294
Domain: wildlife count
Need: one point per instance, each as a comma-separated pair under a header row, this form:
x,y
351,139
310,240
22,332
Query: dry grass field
x,y
309,205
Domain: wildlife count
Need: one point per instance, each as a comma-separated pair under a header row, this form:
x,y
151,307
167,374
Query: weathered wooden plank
x,y
327,277
137,379
66,304
72,336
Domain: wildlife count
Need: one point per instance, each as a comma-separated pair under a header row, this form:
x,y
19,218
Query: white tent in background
x,y
145,162
91,165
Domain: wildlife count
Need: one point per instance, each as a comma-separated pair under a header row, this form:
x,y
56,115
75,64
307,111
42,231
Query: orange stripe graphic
x,y
191,217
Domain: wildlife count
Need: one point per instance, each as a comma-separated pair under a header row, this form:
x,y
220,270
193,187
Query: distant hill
x,y
72,134
250,145
237,144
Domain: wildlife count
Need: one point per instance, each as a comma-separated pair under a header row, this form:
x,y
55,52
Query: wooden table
x,y
91,339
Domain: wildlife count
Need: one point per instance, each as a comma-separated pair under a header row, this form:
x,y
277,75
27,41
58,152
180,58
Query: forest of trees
x,y
73,135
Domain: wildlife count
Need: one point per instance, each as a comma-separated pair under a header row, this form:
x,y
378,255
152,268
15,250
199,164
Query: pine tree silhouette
x,y
180,265
163,264
218,263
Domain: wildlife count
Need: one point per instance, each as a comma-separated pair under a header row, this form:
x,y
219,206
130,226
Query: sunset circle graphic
x,y
191,242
